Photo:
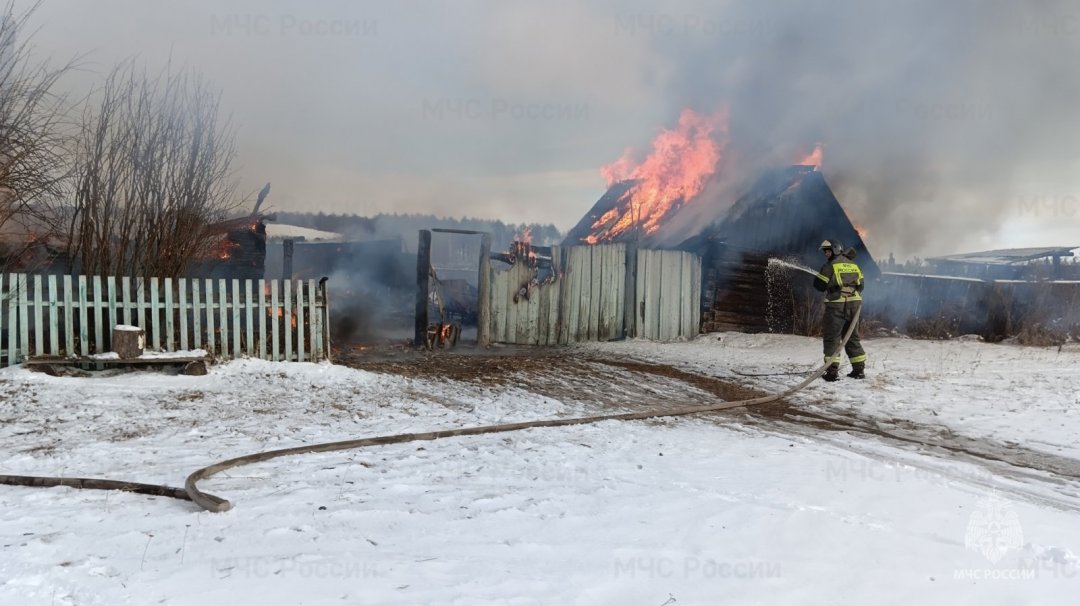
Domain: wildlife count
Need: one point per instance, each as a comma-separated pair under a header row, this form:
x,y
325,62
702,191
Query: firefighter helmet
x,y
832,245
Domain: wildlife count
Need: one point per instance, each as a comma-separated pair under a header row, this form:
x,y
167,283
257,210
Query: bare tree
x,y
151,174
32,141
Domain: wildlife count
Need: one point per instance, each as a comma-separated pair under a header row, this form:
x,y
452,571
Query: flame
x,y
676,170
814,158
525,235
859,229
224,249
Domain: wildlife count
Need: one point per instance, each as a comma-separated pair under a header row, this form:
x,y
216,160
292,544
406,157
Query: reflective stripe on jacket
x,y
841,280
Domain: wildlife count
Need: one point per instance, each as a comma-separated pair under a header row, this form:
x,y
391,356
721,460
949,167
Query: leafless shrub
x,y
32,142
151,173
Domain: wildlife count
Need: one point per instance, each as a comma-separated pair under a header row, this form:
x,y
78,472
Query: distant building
x,y
1008,264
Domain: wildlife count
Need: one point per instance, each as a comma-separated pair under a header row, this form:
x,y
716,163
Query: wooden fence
x,y
596,293
280,320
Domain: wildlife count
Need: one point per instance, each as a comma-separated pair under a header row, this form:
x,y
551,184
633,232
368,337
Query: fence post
x,y
483,289
423,287
287,258
324,320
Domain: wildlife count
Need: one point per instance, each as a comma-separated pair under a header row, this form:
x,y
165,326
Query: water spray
x,y
773,262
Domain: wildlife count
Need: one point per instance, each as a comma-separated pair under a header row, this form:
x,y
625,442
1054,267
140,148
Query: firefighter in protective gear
x,y
842,282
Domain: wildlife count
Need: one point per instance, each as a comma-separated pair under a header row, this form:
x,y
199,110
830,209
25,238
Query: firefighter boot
x,y
832,373
857,370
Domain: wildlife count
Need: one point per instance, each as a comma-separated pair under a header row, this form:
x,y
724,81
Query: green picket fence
x,y
73,316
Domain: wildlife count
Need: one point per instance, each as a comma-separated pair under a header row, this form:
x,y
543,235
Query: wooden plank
x,y
532,328
511,286
286,317
552,336
170,314
262,318
275,320
640,328
573,297
183,307
13,320
39,330
54,318
497,296
4,301
695,296
616,277
237,311
140,305
563,312
543,304
211,334
671,293
596,284
24,318
319,307
325,321
423,287
300,329
196,315
249,319
113,361
522,306
126,300
155,315
651,296
613,277
483,317
629,286
98,315
69,318
685,294
223,314
314,312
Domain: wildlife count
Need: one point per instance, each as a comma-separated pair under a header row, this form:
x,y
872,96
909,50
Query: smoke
x,y
947,125
939,119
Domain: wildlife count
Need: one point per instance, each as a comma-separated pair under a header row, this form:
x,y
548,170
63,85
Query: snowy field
x,y
715,509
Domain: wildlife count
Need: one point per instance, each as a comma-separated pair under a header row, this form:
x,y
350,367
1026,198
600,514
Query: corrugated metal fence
x,y
72,316
586,297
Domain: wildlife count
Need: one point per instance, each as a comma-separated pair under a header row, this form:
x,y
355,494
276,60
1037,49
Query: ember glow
x,y
681,162
224,249
814,158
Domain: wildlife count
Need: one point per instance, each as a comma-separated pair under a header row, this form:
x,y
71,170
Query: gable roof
x,y
786,211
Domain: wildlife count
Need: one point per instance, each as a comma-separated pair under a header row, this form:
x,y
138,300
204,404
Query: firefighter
x,y
842,282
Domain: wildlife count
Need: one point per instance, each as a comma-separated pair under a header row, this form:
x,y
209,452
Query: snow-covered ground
x,y
702,510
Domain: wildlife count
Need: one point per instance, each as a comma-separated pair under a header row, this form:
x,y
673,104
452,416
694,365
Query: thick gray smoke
x,y
947,125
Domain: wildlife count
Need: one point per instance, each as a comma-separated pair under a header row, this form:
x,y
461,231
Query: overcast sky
x,y
948,126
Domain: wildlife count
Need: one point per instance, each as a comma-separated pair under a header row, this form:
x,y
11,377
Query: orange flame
x,y
859,229
672,175
814,158
525,235
225,248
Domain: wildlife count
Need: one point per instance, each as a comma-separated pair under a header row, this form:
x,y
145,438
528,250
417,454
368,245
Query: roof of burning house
x,y
1007,256
785,212
789,212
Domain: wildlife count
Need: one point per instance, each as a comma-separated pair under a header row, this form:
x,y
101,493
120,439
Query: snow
x,y
126,328
194,354
694,510
282,230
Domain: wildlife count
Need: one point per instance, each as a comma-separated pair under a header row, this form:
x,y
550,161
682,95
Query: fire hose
x,y
213,503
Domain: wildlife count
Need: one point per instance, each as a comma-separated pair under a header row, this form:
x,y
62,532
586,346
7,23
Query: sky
x,y
947,127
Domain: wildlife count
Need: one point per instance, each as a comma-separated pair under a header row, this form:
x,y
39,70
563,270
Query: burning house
x,y
678,198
